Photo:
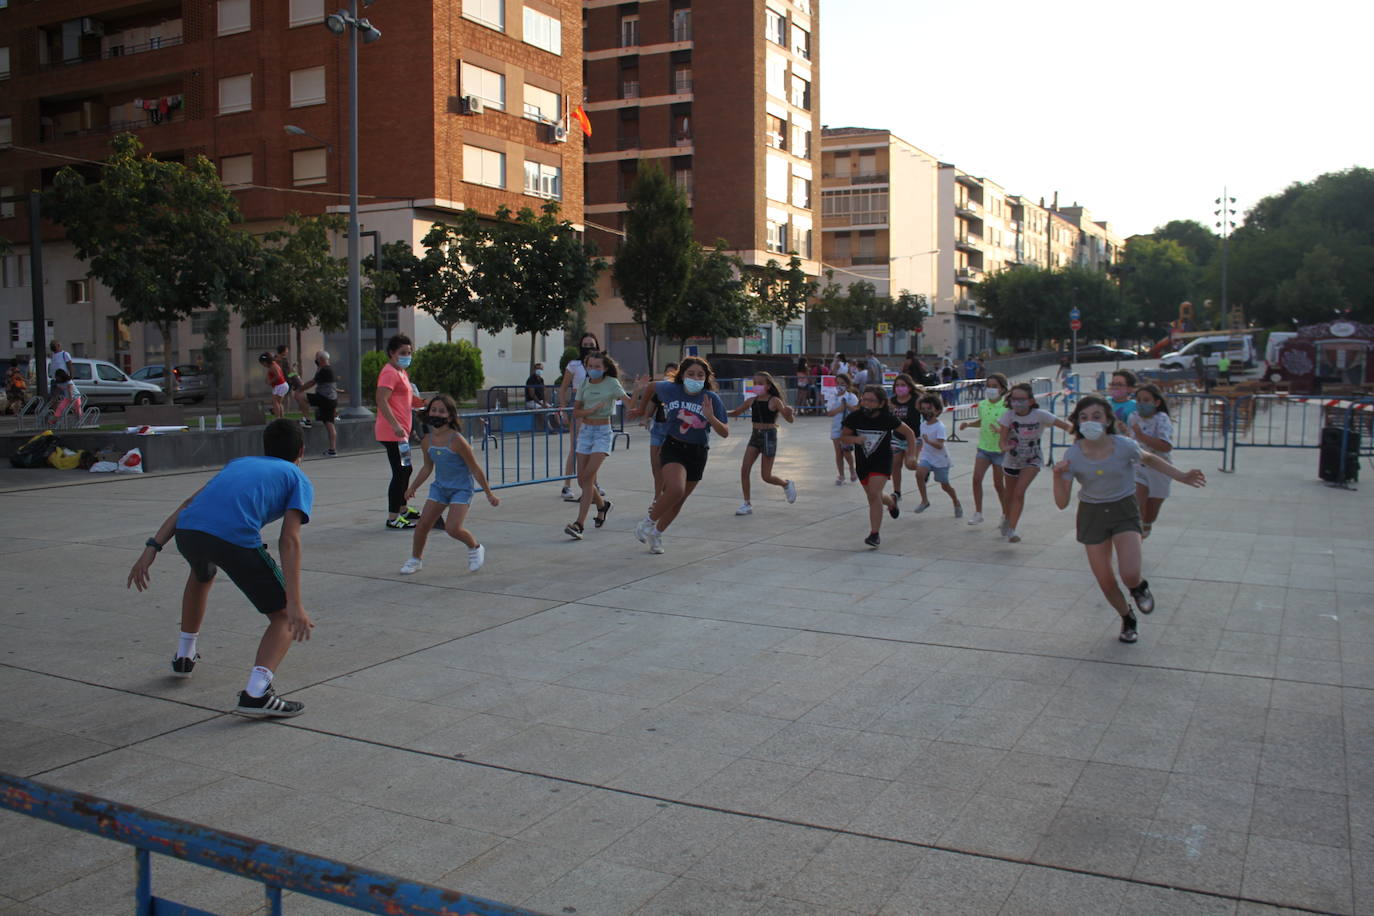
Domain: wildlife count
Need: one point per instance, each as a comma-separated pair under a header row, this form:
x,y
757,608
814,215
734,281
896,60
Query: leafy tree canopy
x,y
654,262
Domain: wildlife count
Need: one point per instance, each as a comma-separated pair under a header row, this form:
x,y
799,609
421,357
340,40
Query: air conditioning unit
x,y
558,133
472,105
91,26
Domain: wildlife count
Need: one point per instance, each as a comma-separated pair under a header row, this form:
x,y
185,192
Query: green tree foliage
x,y
1033,304
717,303
782,292
303,283
905,313
1163,276
215,347
1197,241
1316,289
654,262
858,309
397,278
450,368
161,236
443,278
373,361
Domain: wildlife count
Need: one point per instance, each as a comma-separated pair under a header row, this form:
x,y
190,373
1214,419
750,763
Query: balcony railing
x,y
682,84
682,31
968,275
152,44
683,140
967,208
629,89
627,142
968,241
872,218
868,178
860,260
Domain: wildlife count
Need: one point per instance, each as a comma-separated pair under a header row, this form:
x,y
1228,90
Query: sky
x,y
1142,112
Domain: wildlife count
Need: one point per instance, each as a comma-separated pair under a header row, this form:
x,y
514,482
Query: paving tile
x,y
1192,856
1092,840
761,856
854,873
1059,893
600,887
674,839
1298,874
1299,814
1000,826
687,897
954,884
1129,791
953,766
1148,901
826,798
915,813
1319,767
1216,804
747,785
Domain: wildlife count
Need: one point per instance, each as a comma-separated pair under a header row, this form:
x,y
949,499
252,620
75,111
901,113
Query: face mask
x,y
901,391
1020,406
587,350
1146,410
538,370
403,362
595,373
994,394
694,385
872,411
1091,429
1119,394
438,422
759,390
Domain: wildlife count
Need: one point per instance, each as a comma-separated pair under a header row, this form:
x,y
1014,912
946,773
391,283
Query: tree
x,y
161,236
1198,242
1316,291
782,292
653,264
396,278
905,313
717,302
303,283
443,278
215,346
1163,276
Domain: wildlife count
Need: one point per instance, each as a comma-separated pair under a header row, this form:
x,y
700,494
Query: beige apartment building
x,y
1098,246
1030,222
879,224
724,95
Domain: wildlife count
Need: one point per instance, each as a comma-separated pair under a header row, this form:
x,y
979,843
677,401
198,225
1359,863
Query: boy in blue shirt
x,y
220,527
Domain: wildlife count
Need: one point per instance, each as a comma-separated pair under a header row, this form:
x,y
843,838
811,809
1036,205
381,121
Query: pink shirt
x,y
399,401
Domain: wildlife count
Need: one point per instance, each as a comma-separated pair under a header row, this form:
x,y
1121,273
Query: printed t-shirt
x,y
248,494
1159,426
906,413
684,418
325,385
874,454
989,432
399,401
849,399
1110,479
1025,436
930,455
600,397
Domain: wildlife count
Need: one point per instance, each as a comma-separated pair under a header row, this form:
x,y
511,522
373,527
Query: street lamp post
x,y
338,23
1226,222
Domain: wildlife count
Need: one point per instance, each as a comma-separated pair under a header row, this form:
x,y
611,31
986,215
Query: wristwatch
x,y
152,542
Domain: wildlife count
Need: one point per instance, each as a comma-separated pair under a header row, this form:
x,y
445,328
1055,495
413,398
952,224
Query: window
x,y
777,76
864,208
235,171
801,192
682,80
200,321
868,245
543,105
842,165
4,63
109,373
775,128
306,12
801,92
234,16
490,13
776,176
543,31
307,87
682,25
81,371
682,178
7,208
308,166
6,132
801,42
801,141
777,236
487,85
629,31
265,337
543,180
484,166
236,94
78,291
15,271
775,27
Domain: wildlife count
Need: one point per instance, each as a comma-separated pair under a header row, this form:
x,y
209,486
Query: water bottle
x,y
405,454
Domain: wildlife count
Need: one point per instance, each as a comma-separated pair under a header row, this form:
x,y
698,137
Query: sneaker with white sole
x,y
1144,601
642,530
655,542
1012,536
921,508
400,523
476,557
790,491
183,666
839,481
411,566
1003,526
330,453
568,496
573,530
1128,629
958,511
410,512
873,540
744,509
976,518
269,705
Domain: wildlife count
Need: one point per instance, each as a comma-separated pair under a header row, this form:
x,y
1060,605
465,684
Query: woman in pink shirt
x,y
395,398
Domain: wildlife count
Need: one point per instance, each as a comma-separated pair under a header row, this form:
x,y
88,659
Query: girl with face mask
x,y
870,430
593,409
395,398
934,460
449,457
990,410
842,402
905,395
764,405
1020,429
574,376
1152,427
1105,466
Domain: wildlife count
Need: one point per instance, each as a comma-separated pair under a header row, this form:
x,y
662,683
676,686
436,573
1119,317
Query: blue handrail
x,y
277,867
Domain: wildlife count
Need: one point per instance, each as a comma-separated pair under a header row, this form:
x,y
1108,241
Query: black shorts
x,y
766,441
325,408
252,569
690,456
294,381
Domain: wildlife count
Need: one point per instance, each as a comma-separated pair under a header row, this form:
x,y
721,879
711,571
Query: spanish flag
x,y
582,120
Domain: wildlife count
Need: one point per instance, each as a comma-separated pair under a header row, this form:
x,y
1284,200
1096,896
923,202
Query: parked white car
x,y
106,385
1241,349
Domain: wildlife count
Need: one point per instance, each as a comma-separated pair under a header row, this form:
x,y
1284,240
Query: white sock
x,y
259,680
656,531
186,645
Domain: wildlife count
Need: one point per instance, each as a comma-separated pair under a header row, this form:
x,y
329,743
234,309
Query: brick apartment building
x,y
462,103
723,94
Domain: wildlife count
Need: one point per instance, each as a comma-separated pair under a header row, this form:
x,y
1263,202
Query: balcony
x,y
682,31
682,140
682,83
968,209
629,89
67,119
968,275
627,142
862,260
868,178
968,181
968,242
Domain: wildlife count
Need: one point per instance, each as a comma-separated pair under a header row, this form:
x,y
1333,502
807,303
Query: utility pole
x,y
1226,222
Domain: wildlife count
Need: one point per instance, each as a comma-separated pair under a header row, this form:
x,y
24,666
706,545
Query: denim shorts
x,y
765,440
450,496
657,433
594,440
993,458
941,475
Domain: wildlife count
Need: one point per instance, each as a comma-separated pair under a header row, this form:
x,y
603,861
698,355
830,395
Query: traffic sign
x,y
883,327
1075,325
1075,314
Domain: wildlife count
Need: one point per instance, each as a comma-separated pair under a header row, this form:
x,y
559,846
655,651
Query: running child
x,y
449,456
592,410
220,527
990,410
870,429
934,458
1021,428
1105,465
1153,429
65,396
903,404
647,405
845,402
692,410
1123,386
764,406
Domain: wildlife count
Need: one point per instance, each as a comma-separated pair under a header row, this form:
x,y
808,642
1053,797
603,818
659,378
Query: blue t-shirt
x,y
685,420
247,495
1123,409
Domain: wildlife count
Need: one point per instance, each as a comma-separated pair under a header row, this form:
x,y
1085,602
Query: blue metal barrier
x,y
1283,421
525,451
277,868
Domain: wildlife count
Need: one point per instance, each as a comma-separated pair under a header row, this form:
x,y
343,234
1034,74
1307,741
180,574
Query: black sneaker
x,y
1128,633
330,453
400,523
1144,601
894,510
410,512
183,666
267,706
873,540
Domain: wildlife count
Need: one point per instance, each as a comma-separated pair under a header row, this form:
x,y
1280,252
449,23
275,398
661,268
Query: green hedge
x,y
373,361
450,368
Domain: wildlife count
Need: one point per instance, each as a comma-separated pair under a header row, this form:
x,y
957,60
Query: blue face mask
x,y
595,373
693,385
1145,410
403,362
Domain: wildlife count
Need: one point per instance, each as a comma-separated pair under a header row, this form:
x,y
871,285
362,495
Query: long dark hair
x,y
1153,389
612,367
769,383
1089,401
879,392
905,379
690,361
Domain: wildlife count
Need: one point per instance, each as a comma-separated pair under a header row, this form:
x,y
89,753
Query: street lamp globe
x,y
336,22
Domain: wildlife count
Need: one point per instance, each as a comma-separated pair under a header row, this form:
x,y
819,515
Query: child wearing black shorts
x,y
870,429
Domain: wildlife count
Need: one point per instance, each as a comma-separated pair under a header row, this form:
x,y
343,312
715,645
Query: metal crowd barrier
x,y
523,447
277,868
1295,421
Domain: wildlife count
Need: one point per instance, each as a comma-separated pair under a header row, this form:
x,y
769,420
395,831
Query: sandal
x,y
573,530
601,514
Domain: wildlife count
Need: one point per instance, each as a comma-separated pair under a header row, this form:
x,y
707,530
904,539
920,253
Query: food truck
x,y
1331,354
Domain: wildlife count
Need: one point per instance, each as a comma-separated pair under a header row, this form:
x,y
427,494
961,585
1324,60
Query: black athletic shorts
x,y
252,569
690,456
325,408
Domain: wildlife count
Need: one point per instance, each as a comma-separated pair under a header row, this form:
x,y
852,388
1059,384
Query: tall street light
x,y
338,23
1226,222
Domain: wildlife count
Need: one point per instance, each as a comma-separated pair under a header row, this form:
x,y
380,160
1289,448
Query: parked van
x,y
1241,349
106,384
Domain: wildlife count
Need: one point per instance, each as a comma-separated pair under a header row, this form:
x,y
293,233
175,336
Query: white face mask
x,y
1091,429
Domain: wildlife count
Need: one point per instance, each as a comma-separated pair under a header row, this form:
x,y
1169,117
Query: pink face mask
x,y
759,391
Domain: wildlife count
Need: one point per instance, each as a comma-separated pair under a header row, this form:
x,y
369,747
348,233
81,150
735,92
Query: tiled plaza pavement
x,y
769,719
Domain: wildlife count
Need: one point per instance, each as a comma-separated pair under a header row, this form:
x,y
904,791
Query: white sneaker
x,y
839,481
1012,536
568,496
790,491
744,509
1002,527
976,518
923,507
655,542
642,530
411,566
476,557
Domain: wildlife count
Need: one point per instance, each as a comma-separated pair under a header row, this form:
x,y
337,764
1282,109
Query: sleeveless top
x,y
759,411
450,470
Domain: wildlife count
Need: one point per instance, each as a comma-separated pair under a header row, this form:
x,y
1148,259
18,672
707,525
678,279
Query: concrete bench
x,y
155,415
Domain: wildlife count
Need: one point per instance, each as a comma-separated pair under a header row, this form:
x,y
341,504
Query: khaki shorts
x,y
1098,522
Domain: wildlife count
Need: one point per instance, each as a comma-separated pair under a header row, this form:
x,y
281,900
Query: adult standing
x,y
395,399
60,359
875,368
574,377
971,367
1061,377
840,366
325,397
